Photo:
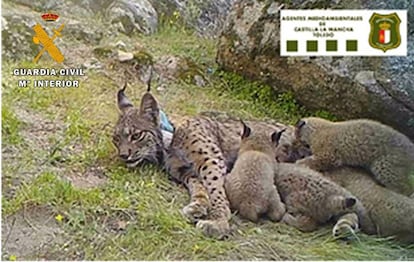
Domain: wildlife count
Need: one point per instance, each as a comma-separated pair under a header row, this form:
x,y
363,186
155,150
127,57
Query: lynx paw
x,y
345,228
195,211
215,228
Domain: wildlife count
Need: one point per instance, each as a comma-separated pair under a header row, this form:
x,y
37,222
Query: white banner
x,y
343,32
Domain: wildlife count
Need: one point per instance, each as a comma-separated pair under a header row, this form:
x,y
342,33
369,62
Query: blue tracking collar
x,y
165,123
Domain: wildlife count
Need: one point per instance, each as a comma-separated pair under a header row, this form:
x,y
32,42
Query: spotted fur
x,y
202,151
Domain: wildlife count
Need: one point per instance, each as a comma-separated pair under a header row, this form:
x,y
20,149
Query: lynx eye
x,y
137,136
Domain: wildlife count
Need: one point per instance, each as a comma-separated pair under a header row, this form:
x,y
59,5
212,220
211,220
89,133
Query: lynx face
x,y
306,127
290,153
137,134
260,141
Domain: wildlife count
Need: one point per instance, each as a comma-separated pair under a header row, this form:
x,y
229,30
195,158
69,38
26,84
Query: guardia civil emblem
x,y
385,31
41,37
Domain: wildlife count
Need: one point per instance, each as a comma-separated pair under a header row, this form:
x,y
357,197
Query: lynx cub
x,y
250,185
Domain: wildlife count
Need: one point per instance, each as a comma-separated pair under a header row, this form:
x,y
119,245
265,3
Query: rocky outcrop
x,y
132,16
19,18
349,87
17,36
207,17
90,21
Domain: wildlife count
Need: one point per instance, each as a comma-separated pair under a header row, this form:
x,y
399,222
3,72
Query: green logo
x,y
385,31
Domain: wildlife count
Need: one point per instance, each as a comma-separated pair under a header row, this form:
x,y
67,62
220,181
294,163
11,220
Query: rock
x,y
93,63
137,16
84,32
210,15
199,81
121,45
172,68
17,35
39,5
167,67
18,20
124,56
380,88
365,78
207,17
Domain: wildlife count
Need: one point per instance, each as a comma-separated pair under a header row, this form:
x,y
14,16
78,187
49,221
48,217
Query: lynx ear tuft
x,y
123,101
246,130
149,80
300,123
277,135
350,202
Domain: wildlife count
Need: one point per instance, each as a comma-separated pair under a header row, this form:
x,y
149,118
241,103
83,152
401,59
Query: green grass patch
x,y
10,126
184,43
262,99
148,206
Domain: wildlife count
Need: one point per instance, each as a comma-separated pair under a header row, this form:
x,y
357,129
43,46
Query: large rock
x,y
133,16
91,21
207,17
143,16
19,18
17,36
349,87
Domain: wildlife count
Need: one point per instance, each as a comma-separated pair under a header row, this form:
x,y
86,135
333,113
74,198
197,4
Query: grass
x,y
135,214
10,125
